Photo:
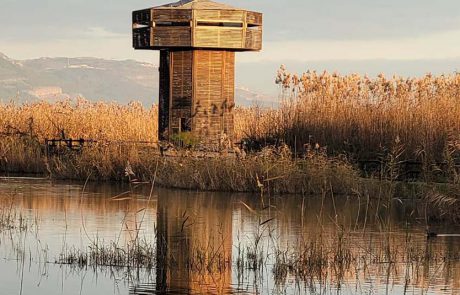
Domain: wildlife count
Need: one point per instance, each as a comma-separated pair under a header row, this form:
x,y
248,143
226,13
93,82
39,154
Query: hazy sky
x,y
301,31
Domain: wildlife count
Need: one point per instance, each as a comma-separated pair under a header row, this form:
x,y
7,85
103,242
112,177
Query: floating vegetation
x,y
133,255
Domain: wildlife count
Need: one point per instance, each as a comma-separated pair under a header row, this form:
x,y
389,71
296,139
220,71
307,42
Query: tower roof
x,y
197,4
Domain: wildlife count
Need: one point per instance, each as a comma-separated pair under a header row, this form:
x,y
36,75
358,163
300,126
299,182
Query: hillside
x,y
92,78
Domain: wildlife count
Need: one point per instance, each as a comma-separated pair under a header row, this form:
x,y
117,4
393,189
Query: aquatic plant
x,y
361,118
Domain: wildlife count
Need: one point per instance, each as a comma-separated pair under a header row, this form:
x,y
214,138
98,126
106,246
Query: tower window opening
x,y
172,24
185,125
219,24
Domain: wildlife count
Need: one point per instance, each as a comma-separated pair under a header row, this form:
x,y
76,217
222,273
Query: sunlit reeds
x,y
79,119
367,117
391,121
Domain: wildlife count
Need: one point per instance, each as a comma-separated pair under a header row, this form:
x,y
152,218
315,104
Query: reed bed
x,y
388,121
367,118
269,171
117,131
25,127
79,118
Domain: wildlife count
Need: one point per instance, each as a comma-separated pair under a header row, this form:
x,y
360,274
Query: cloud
x,y
92,42
442,45
103,33
354,19
305,30
100,42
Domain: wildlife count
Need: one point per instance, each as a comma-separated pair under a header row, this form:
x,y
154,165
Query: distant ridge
x,y
92,78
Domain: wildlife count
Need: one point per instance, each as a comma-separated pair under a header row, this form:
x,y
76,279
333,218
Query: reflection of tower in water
x,y
194,243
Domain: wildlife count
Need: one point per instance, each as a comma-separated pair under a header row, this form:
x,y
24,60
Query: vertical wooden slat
x,y
245,29
222,91
194,109
214,93
171,64
208,102
193,26
181,90
164,95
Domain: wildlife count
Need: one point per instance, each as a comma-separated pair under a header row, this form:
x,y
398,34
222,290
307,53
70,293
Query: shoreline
x,y
273,171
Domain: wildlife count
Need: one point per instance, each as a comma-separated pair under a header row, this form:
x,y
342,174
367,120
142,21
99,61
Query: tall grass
x,y
79,119
389,120
269,171
366,117
24,128
351,114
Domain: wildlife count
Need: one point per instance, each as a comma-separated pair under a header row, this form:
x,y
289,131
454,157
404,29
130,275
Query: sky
x,y
366,36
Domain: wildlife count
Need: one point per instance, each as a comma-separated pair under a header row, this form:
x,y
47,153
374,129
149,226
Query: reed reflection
x,y
194,242
309,244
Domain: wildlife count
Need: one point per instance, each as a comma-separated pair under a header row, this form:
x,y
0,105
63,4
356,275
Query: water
x,y
217,243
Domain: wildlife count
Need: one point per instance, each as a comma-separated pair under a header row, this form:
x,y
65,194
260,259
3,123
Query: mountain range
x,y
91,78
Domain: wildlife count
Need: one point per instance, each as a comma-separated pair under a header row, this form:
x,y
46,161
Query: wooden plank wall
x,y
214,75
220,15
164,96
224,29
253,38
171,15
172,36
197,90
254,18
142,31
219,35
181,90
142,17
142,38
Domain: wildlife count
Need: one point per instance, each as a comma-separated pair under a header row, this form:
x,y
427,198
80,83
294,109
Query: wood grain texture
x,y
175,27
198,40
171,15
171,37
142,17
164,96
201,89
214,94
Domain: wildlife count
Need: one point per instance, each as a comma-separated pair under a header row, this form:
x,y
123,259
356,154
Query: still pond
x,y
215,243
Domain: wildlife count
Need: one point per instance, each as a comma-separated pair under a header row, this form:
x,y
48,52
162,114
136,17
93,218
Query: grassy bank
x,y
24,128
272,170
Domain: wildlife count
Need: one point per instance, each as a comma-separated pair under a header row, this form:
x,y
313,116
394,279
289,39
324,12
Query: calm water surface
x,y
365,248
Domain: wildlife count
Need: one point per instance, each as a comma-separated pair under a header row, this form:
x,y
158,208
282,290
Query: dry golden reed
x,y
79,119
24,128
365,117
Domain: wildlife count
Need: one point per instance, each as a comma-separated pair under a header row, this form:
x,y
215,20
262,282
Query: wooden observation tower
x,y
197,40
